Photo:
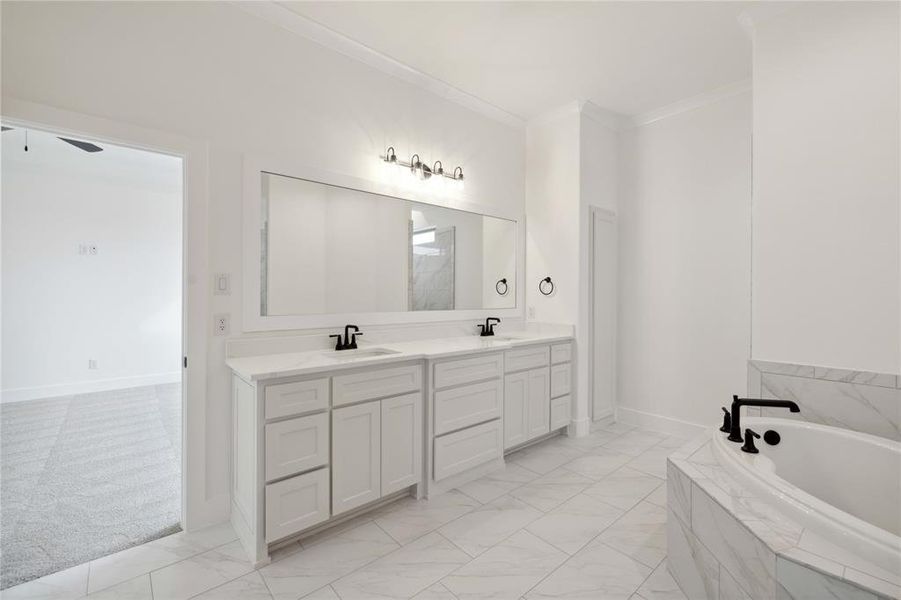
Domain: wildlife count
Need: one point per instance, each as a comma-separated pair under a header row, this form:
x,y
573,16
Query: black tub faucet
x,y
737,403
488,327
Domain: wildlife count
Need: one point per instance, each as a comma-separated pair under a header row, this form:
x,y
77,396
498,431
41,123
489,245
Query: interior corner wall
x,y
599,173
684,277
243,86
826,186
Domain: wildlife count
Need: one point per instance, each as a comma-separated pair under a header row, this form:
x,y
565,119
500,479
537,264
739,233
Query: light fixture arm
x,y
420,169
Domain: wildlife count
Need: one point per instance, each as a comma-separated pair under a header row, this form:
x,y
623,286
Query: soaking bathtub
x,y
841,484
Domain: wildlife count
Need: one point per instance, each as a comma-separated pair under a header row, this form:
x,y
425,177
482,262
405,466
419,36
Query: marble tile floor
x,y
567,518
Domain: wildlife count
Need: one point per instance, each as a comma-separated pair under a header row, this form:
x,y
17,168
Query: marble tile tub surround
x,y
511,534
723,542
858,400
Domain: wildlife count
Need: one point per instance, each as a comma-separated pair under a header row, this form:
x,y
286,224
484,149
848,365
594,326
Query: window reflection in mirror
x,y
328,249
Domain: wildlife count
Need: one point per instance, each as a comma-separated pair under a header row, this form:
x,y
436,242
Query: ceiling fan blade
x,y
86,146
5,128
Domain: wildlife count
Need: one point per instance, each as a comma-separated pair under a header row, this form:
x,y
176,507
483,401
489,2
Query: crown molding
x,y
287,19
691,103
571,108
609,119
760,12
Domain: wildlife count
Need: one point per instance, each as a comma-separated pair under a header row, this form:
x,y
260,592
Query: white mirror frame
x,y
253,321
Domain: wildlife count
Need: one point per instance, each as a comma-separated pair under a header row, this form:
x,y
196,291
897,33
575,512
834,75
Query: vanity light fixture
x,y
421,170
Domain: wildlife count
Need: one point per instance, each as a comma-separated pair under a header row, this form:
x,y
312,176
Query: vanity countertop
x,y
271,366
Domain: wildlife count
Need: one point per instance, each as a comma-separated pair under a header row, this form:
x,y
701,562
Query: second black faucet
x,y
350,339
488,327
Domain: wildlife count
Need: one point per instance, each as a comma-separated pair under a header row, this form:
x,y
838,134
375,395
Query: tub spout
x,y
737,403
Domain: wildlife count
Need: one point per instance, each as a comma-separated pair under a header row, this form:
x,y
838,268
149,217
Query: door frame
x,y
198,508
594,213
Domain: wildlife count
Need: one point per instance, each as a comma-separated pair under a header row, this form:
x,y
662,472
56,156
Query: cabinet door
x,y
516,393
539,409
356,456
401,442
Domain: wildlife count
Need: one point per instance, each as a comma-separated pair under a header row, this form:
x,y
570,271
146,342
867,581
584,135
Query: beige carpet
x,y
87,475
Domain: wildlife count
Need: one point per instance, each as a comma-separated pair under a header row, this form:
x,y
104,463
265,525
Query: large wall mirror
x,y
327,249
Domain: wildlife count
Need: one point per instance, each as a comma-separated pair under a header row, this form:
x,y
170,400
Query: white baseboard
x,y
579,428
667,425
603,422
87,387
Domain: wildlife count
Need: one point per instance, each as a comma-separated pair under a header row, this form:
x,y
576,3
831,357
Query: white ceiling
x,y
47,154
530,57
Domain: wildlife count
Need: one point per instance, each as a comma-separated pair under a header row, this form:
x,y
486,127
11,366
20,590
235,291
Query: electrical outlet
x,y
531,312
220,324
92,363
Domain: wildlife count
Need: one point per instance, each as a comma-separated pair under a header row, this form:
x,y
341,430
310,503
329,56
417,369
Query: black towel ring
x,y
546,284
501,285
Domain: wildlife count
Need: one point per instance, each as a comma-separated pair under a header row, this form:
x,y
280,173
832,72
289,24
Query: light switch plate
x,y
222,284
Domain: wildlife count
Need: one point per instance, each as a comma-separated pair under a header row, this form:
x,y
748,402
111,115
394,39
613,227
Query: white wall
x,y
826,186
120,307
685,227
552,206
208,71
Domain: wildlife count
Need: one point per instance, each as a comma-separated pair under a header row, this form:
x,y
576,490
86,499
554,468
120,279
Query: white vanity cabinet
x,y
536,399
315,445
467,406
308,449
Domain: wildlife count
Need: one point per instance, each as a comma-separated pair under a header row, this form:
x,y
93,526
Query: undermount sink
x,y
360,354
510,336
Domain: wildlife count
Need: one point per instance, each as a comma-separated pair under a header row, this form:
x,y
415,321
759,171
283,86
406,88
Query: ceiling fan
x,y
86,146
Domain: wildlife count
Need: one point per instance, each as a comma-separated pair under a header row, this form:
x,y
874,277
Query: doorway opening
x,y
603,314
91,410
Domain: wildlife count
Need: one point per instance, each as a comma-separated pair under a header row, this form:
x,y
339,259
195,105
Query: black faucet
x,y
488,327
737,403
350,339
749,446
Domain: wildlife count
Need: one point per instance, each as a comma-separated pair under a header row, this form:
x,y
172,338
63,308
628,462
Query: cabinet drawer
x,y
286,399
561,353
561,379
371,385
296,445
527,358
468,370
296,504
560,408
463,406
457,452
